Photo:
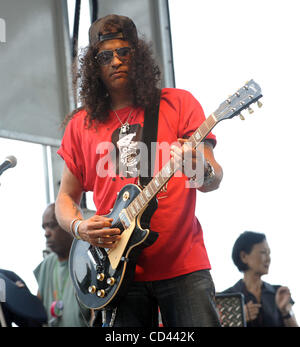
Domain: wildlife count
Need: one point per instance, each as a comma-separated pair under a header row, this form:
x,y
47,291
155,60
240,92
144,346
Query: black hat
x,y
20,302
113,27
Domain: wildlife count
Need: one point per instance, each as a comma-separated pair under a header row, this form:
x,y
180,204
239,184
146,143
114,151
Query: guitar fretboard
x,y
168,170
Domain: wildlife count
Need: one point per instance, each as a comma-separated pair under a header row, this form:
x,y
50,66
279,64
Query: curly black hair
x,y
144,77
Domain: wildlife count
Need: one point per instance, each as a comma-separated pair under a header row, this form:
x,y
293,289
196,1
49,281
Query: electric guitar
x,y
101,276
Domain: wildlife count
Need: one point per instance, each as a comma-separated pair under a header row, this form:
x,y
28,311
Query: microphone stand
x,y
2,318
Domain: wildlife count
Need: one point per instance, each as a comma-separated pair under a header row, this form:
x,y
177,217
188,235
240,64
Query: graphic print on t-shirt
x,y
128,151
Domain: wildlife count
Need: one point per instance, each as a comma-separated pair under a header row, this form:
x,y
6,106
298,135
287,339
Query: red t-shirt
x,y
91,156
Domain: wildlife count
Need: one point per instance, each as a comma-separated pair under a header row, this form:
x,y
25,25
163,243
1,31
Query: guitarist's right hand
x,y
97,231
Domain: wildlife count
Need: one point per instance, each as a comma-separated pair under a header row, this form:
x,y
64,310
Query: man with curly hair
x,y
102,149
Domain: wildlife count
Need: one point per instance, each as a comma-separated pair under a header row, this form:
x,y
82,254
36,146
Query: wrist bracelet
x,y
72,230
209,174
76,226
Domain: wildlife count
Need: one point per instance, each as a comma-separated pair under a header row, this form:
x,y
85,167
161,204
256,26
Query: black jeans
x,y
184,301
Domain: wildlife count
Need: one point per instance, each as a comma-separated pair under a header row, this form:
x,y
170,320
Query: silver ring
x,y
99,240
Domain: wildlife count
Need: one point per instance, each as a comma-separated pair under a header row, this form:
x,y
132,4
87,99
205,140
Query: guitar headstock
x,y
239,101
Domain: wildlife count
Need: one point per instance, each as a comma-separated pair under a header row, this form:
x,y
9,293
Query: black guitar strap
x,y
150,137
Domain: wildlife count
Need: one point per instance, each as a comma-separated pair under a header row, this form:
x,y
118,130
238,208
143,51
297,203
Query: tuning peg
x,y
242,117
259,104
250,110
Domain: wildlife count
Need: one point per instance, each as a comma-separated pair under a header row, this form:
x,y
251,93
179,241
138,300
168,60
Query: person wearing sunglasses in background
x,y
55,288
266,305
119,80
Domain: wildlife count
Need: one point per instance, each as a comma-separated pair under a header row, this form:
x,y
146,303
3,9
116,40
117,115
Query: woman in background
x,y
265,304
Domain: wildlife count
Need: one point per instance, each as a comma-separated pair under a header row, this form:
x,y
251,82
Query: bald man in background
x,y
55,286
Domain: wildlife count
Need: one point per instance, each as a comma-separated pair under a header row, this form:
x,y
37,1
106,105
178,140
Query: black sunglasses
x,y
105,57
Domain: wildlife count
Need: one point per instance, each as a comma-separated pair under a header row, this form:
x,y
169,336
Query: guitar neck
x,y
165,174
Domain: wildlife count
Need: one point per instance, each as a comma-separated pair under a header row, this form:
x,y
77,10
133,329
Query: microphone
x,y
9,162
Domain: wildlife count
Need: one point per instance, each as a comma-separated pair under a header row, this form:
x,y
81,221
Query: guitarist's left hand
x,y
98,232
189,159
194,163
